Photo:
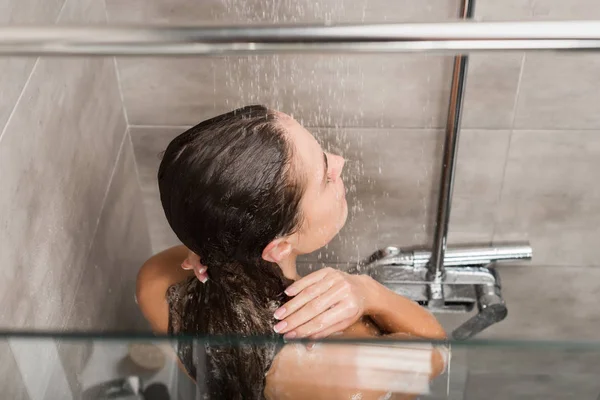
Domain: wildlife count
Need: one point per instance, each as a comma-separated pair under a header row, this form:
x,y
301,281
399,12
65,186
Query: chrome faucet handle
x,y
491,306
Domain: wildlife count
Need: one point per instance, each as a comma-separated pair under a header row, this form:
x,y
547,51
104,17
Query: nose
x,y
338,165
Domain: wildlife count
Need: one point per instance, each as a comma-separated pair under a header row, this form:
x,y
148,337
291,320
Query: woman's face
x,y
323,206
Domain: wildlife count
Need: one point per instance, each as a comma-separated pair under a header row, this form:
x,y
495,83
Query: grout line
x,y
117,74
507,153
93,239
28,80
120,86
112,175
139,182
19,99
62,9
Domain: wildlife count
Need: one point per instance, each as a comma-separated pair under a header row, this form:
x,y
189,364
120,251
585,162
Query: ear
x,y
277,250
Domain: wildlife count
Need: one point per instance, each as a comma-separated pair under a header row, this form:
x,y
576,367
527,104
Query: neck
x,y
288,267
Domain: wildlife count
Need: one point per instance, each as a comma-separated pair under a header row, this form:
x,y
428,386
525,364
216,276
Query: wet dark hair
x,y
227,190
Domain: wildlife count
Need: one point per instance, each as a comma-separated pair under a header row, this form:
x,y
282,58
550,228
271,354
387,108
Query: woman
x,y
249,191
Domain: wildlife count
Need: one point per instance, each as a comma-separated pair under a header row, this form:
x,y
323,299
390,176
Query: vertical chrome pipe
x,y
459,77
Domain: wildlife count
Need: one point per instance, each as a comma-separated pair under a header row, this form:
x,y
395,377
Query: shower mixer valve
x,y
469,281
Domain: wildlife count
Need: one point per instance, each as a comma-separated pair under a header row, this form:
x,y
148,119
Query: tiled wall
x,y
71,236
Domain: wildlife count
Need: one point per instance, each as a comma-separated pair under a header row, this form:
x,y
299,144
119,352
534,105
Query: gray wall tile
x,y
105,296
11,381
39,365
559,91
256,11
148,144
55,168
375,90
559,10
16,70
104,300
552,360
548,303
532,386
507,10
490,94
549,196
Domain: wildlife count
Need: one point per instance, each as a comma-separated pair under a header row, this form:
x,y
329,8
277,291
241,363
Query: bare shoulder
x,y
156,275
344,371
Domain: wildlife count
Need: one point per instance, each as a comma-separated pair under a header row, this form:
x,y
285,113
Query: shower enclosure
x,y
524,166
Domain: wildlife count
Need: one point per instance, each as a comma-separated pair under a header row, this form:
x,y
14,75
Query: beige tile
x,y
532,359
56,158
532,386
74,354
507,10
490,95
40,369
11,382
104,300
548,303
148,144
256,11
560,10
559,91
16,70
527,10
332,90
549,197
105,296
479,172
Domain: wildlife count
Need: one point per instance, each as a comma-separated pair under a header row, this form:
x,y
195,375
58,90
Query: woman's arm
x,y
330,300
393,313
155,277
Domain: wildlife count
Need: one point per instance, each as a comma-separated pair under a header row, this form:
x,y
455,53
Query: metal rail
x,y
445,37
450,151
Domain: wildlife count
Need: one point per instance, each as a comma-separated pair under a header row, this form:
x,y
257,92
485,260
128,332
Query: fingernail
x,y
280,326
185,266
289,335
290,291
279,313
310,346
202,270
204,279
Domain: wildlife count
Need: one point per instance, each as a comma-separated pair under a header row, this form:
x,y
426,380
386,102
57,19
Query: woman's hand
x,y
325,302
192,262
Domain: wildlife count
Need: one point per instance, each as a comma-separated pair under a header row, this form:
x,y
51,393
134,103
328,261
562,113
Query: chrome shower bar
x,y
457,91
453,37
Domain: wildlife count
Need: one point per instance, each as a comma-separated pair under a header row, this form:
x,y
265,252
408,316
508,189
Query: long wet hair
x,y
227,190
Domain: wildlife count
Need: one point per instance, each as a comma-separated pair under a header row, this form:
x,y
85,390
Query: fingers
x,y
307,295
192,262
201,273
333,320
307,281
309,304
